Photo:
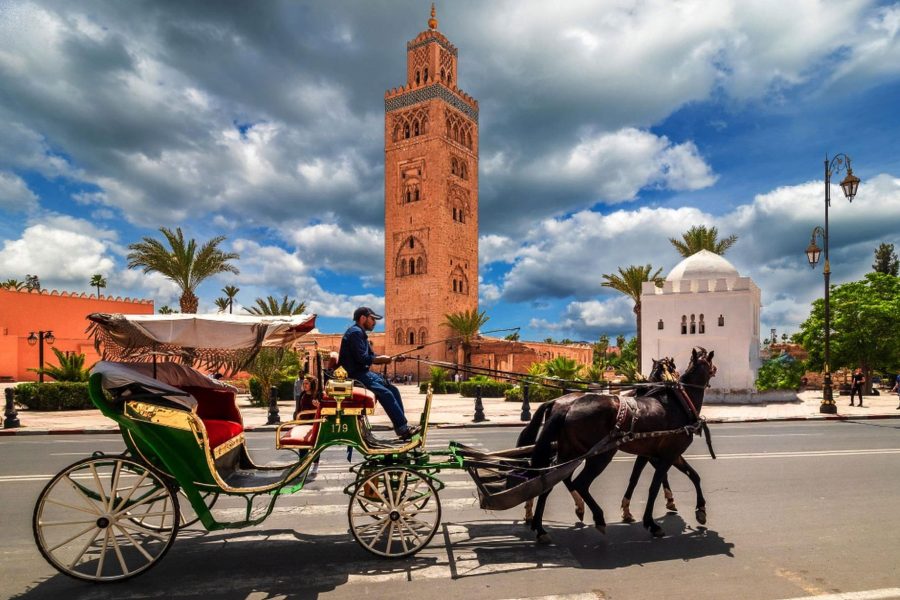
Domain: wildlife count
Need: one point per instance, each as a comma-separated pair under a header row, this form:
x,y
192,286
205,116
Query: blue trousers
x,y
389,398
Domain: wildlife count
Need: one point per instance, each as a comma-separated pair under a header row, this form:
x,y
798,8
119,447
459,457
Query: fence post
x,y
273,406
526,407
11,416
479,406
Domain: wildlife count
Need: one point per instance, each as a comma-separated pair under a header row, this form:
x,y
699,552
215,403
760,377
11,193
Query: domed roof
x,y
702,265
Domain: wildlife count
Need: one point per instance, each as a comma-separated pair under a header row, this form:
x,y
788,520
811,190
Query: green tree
x,y
513,337
630,281
98,281
781,372
701,237
600,349
626,361
465,324
165,309
272,366
231,293
222,304
270,305
13,285
182,262
863,315
562,368
70,368
32,283
886,260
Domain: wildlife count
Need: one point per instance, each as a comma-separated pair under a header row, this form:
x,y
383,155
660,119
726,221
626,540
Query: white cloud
x,y
60,257
15,195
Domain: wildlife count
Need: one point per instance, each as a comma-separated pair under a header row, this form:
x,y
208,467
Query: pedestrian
x,y
896,388
357,356
857,388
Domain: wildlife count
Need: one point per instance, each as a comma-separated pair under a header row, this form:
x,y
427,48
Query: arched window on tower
x,y
403,267
408,195
412,243
399,337
660,324
406,131
420,265
412,337
721,321
443,74
416,127
417,77
683,324
416,195
693,325
454,213
425,75
462,170
423,335
454,285
469,140
453,166
412,267
702,328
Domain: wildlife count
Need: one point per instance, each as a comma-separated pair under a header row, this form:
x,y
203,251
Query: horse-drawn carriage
x,y
110,517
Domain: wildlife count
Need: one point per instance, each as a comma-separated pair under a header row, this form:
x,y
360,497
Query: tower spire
x,y
432,22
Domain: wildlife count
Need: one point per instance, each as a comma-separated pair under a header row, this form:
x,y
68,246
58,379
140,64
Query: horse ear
x,y
693,354
709,356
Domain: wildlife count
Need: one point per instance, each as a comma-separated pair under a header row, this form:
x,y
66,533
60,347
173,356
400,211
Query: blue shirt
x,y
356,354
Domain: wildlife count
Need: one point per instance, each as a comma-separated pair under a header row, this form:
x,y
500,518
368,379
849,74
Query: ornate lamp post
x,y
39,338
849,185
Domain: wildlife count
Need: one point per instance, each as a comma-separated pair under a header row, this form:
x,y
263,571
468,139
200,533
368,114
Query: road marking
x,y
725,435
881,594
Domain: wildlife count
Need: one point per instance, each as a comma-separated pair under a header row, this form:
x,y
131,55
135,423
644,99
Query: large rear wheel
x,y
105,519
394,512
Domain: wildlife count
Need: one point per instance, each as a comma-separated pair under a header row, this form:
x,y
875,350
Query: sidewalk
x,y
456,411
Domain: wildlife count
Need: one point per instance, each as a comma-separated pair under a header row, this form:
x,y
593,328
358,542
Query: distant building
x,y
704,302
64,314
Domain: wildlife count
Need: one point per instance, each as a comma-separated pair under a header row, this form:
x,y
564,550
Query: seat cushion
x,y
220,432
361,398
299,435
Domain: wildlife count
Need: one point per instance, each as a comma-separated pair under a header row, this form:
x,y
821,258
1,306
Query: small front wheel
x,y
394,512
105,519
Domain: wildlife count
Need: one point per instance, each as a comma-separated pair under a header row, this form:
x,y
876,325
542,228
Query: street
x,y
795,509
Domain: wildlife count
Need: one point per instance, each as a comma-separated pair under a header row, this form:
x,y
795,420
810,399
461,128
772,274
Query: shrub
x,y
255,391
536,393
444,387
780,373
490,388
56,395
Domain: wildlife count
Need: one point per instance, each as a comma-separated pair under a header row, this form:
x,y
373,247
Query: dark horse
x,y
656,427
663,370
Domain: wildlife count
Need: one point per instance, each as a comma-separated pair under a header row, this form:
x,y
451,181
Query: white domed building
x,y
704,302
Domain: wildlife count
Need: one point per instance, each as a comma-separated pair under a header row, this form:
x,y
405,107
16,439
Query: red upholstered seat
x,y
221,431
300,435
361,398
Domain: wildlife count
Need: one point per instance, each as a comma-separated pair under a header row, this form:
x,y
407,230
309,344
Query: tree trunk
x,y
189,303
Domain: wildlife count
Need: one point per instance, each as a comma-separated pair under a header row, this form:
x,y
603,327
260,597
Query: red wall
x,y
62,313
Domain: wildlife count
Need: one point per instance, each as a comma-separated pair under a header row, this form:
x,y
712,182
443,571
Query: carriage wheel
x,y
394,512
105,519
188,515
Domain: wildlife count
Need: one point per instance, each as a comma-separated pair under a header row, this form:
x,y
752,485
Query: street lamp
x,y
849,185
39,338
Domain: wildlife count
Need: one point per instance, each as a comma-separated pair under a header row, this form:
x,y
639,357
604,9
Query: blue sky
x,y
606,127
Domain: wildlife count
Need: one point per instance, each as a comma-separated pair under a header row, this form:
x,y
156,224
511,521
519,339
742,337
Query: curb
x,y
271,428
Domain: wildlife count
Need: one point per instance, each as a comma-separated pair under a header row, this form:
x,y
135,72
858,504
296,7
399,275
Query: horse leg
x,y
582,484
576,497
537,521
682,465
658,476
670,497
529,511
639,463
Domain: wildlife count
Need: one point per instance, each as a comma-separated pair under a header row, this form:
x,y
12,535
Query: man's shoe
x,y
409,432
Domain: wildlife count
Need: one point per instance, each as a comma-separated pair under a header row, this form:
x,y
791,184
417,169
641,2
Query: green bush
x,y
255,391
444,387
57,395
536,393
490,388
780,373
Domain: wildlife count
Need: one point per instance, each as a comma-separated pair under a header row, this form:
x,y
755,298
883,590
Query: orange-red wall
x,y
62,313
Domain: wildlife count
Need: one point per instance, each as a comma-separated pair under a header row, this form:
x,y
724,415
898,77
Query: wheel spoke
x,y
114,486
136,545
162,492
98,482
57,523
76,536
102,559
134,488
84,549
93,510
411,530
141,530
119,556
78,490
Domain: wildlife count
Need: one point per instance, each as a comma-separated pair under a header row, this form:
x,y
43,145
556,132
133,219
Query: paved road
x,y
796,509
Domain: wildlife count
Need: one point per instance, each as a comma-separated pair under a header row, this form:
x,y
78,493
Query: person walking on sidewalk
x,y
896,388
858,381
356,356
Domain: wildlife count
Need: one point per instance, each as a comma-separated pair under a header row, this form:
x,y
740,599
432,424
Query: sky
x,y
606,127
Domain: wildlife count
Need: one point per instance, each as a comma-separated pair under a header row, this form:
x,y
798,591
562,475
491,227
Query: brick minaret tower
x,y
430,199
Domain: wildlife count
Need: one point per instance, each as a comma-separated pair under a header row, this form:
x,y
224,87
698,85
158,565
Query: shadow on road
x,y
286,563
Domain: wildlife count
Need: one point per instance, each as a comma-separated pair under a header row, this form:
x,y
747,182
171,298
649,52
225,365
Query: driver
x,y
356,356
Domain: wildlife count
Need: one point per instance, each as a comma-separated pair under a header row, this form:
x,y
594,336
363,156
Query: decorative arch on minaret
x,y
412,259
459,281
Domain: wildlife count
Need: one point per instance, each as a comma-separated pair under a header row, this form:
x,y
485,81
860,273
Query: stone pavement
x,y
456,411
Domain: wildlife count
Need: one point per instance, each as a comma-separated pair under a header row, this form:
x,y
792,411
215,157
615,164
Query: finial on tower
x,y
432,22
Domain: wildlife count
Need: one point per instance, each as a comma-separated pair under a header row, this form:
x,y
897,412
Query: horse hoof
x,y
670,506
700,514
655,530
527,521
601,528
579,514
544,539
627,519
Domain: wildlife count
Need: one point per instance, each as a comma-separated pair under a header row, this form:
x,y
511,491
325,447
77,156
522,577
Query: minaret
x,y
430,198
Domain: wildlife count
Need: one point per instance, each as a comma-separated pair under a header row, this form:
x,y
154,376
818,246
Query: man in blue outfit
x,y
357,356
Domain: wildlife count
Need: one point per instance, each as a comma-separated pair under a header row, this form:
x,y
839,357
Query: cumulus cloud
x,y
15,195
587,320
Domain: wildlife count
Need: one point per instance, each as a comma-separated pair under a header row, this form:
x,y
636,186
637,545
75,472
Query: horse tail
x,y
543,447
530,433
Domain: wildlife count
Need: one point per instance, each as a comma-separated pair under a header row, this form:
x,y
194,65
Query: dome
x,y
702,265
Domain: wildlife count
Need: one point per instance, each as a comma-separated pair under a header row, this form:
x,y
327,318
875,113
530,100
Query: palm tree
x,y
222,304
230,292
182,262
562,368
98,281
513,337
466,325
165,309
71,367
13,285
701,237
630,282
271,306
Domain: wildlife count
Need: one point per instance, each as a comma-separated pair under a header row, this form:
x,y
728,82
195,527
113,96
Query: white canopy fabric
x,y
117,375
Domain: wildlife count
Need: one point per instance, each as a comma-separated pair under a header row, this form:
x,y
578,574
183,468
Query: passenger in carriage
x,y
306,400
357,357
